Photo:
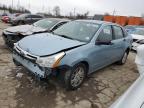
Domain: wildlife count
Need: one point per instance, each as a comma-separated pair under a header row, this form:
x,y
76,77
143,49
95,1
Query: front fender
x,y
71,60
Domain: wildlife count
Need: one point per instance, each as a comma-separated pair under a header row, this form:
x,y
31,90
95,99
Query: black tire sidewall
x,y
20,22
68,75
125,59
121,62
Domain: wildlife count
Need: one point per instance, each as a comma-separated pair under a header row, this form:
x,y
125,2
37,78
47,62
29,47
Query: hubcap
x,y
77,77
124,58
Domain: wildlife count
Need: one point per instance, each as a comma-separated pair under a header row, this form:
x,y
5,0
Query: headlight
x,y
51,61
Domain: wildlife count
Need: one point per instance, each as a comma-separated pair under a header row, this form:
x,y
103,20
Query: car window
x,y
105,34
22,16
28,16
78,30
36,16
118,33
45,23
58,25
125,33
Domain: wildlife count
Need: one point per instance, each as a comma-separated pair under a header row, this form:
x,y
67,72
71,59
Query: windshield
x,y
78,30
139,32
46,23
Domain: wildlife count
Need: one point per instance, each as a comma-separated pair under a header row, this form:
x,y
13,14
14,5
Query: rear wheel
x,y
74,78
124,58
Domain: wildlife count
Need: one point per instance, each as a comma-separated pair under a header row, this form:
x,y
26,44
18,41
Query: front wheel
x,y
74,78
21,23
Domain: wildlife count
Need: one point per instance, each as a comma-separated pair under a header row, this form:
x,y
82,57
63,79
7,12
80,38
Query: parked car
x,y
137,43
131,28
133,97
5,19
13,16
14,34
73,51
138,37
26,19
8,17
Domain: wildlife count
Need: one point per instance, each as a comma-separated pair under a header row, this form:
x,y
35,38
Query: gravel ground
x,y
18,89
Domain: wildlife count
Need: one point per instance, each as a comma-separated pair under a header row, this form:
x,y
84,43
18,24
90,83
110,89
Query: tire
x,y
124,58
72,79
21,23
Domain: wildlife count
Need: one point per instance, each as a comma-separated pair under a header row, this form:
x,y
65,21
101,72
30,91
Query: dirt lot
x,y
18,89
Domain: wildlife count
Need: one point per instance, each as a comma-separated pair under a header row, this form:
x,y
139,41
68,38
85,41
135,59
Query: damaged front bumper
x,y
10,39
31,65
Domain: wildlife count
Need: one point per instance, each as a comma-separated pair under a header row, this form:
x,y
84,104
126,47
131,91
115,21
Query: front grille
x,y
22,56
26,56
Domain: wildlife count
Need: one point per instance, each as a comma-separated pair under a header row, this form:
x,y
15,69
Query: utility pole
x,y
114,12
12,6
43,6
29,6
74,12
18,4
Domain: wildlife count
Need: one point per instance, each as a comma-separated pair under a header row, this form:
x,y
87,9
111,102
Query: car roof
x,y
58,19
97,22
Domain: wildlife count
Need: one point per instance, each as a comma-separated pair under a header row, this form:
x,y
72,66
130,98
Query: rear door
x,y
28,19
118,41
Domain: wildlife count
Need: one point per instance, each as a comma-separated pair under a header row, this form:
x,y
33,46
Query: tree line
x,y
13,9
56,12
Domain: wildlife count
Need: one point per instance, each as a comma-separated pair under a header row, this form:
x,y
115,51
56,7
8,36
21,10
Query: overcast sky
x,y
122,7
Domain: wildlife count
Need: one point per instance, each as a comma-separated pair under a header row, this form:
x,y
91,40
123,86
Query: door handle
x,y
124,39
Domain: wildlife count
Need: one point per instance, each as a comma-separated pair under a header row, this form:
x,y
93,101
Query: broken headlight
x,y
50,61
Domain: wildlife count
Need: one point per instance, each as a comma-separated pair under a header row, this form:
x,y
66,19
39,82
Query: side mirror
x,y
103,43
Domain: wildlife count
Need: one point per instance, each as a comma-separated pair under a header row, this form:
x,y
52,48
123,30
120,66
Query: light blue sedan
x,y
73,51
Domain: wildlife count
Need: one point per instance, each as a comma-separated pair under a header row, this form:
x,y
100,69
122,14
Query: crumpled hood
x,y
46,44
25,29
138,37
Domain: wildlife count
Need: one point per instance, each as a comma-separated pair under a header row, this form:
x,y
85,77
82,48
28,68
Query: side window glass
x,y
58,25
33,16
118,33
28,16
37,16
105,35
